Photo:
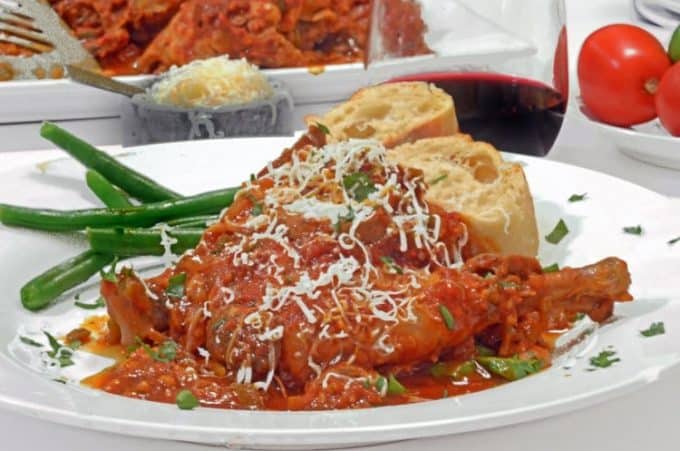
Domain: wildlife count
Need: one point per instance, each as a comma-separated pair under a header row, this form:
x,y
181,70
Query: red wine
x,y
514,114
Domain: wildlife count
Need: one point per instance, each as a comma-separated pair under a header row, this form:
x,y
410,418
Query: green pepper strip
x,y
133,242
509,368
139,216
45,288
137,185
111,196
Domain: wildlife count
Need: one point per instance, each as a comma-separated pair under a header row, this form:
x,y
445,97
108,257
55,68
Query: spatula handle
x,y
96,80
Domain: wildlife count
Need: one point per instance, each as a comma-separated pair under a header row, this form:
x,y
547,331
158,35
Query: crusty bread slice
x,y
393,113
472,179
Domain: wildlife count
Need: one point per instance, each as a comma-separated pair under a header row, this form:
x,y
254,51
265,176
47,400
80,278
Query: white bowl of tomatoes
x,y
630,89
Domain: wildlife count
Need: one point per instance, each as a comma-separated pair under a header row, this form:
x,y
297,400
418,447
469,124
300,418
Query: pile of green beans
x,y
121,229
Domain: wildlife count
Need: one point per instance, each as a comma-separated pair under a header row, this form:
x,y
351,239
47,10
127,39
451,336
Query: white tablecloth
x,y
646,419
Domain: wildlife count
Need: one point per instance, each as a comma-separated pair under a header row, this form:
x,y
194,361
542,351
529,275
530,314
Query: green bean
x,y
198,224
45,288
193,221
138,216
137,185
133,242
111,196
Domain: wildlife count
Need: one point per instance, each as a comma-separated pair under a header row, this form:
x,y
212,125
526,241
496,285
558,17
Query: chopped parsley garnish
x,y
358,185
558,233
342,219
604,359
325,130
507,284
448,318
110,275
653,330
219,323
578,197
59,352
579,316
463,370
439,370
176,285
674,241
258,207
30,342
511,368
552,268
166,353
380,384
394,387
457,372
391,265
635,230
389,385
186,400
252,177
441,178
100,302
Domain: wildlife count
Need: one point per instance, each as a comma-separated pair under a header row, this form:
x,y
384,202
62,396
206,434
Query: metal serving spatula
x,y
96,80
45,42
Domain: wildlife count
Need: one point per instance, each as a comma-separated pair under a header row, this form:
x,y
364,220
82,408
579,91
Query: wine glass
x,y
503,61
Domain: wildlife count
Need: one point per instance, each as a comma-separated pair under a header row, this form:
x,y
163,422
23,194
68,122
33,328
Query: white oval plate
x,y
648,142
595,226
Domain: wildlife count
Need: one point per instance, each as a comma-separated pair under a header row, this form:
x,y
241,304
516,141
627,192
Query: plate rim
x,y
333,436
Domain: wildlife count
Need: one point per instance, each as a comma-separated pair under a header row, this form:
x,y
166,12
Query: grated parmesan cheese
x,y
212,83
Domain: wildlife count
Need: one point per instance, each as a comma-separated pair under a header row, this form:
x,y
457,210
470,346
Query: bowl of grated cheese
x,y
206,99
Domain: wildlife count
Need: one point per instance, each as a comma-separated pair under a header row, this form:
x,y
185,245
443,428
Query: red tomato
x,y
668,100
619,68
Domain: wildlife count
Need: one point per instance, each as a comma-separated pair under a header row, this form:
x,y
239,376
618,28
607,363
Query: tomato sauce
x,y
330,283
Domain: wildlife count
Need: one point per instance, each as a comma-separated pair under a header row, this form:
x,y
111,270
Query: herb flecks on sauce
x,y
186,400
552,268
323,128
288,276
359,185
176,285
448,318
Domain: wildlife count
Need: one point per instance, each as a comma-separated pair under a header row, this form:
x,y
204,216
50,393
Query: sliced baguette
x,y
393,113
472,179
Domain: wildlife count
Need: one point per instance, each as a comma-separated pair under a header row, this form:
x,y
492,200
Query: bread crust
x,y
392,113
471,178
